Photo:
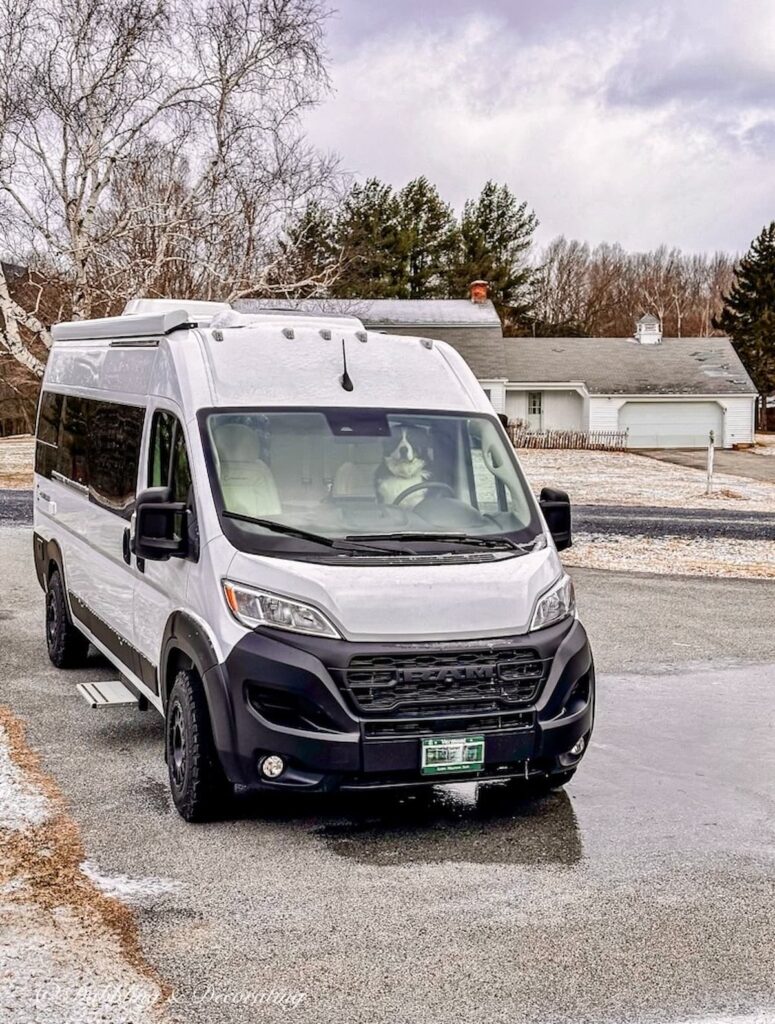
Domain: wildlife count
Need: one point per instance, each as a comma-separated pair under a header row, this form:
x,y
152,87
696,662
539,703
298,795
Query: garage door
x,y
671,424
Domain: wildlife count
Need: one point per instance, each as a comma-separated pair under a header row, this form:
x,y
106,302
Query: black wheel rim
x,y
178,746
52,618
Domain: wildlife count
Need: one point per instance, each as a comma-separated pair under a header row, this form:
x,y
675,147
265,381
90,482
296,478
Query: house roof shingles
x,y
622,366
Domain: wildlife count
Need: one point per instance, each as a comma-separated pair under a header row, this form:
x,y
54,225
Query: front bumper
x,y
532,697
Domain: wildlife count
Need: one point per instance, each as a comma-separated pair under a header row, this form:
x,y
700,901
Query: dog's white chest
x,y
390,487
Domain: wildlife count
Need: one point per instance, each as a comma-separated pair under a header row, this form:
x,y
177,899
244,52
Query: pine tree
x,y
497,232
748,316
428,237
367,235
307,258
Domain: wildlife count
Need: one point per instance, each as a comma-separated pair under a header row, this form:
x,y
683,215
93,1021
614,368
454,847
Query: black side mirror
x,y
555,506
160,526
504,420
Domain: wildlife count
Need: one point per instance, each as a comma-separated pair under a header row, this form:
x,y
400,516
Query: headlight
x,y
556,604
258,608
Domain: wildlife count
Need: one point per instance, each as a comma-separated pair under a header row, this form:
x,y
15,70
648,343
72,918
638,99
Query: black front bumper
x,y
532,696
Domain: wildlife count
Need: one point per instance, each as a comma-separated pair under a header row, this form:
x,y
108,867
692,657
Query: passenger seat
x,y
355,477
246,481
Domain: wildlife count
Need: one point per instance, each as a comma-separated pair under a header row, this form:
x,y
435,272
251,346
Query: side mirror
x,y
555,506
160,526
504,420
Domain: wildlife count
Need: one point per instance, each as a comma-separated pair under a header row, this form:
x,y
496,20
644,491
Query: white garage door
x,y
671,424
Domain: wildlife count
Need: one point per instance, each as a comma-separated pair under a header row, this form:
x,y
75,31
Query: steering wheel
x,y
430,486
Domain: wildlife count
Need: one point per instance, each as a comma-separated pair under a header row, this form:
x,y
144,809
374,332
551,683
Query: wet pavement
x,y
644,892
736,463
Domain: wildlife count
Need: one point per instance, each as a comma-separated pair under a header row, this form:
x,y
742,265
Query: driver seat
x,y
247,483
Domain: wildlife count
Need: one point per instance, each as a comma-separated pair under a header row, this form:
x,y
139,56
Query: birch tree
x,y
145,143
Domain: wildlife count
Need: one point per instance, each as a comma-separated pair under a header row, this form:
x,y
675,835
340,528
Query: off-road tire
x,y
200,791
67,646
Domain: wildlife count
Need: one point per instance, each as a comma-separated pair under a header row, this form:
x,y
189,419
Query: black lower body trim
x,y
128,655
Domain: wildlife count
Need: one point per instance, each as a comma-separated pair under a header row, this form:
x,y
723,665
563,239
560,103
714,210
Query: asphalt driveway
x,y
742,463
641,894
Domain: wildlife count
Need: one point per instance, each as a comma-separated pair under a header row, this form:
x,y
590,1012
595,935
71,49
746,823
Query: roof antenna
x,y
345,380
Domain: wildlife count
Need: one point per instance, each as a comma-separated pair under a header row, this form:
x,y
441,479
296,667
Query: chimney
x,y
648,330
477,290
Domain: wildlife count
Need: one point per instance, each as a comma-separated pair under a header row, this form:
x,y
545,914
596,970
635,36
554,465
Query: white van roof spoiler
x,y
143,325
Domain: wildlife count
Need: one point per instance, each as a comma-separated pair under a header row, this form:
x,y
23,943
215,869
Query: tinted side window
x,y
73,441
49,420
161,449
169,465
115,433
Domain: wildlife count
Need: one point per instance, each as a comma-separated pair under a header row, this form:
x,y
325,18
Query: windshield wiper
x,y
457,538
343,544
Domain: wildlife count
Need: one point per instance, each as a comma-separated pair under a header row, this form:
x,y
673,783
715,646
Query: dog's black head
x,y
406,446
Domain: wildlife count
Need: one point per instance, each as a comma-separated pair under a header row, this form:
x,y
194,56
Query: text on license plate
x,y
444,755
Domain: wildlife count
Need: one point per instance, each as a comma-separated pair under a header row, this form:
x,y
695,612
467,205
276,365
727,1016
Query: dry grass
x,y
16,460
43,885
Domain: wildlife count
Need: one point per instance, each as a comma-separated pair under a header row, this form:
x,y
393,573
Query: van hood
x,y
396,603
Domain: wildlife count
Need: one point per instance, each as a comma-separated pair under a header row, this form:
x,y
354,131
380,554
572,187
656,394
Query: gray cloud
x,y
615,120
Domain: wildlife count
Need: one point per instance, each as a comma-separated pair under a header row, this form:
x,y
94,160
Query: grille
x,y
399,727
443,682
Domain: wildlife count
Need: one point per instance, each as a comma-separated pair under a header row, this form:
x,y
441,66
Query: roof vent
x,y
288,332
648,330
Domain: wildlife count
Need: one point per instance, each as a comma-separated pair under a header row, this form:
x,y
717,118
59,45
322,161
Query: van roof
x,y
268,358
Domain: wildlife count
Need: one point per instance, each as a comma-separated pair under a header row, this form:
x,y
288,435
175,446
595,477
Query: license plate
x,y
446,755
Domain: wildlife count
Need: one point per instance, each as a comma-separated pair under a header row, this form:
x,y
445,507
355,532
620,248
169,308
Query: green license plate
x,y
447,755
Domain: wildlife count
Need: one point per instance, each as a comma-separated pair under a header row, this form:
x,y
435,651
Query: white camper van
x,y
311,548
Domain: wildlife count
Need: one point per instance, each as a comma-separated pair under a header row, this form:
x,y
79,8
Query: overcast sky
x,y
628,120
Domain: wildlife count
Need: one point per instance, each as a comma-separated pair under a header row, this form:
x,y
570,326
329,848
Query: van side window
x,y
72,462
92,443
115,434
49,422
169,466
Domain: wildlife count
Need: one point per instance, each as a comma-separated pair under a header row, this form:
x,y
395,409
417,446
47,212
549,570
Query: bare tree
x,y
603,291
145,145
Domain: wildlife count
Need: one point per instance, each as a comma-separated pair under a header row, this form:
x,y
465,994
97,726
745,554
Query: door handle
x,y
47,505
125,549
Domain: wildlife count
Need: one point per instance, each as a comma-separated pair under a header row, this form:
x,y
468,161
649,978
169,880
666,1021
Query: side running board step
x,y
106,693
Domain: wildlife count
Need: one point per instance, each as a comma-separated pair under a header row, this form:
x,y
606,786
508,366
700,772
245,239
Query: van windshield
x,y
284,479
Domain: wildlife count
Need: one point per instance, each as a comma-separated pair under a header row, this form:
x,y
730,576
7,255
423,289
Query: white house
x,y
666,392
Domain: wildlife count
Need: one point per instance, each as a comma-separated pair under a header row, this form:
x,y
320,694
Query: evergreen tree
x,y
428,239
496,232
307,257
367,234
748,315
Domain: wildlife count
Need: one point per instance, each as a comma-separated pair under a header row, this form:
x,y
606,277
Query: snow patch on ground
x,y
622,478
22,805
68,955
746,559
135,891
760,1017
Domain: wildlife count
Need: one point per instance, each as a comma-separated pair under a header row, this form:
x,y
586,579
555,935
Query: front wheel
x,y
199,788
67,646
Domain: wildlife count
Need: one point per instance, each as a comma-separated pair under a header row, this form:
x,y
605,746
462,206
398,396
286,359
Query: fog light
x,y
578,748
272,767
